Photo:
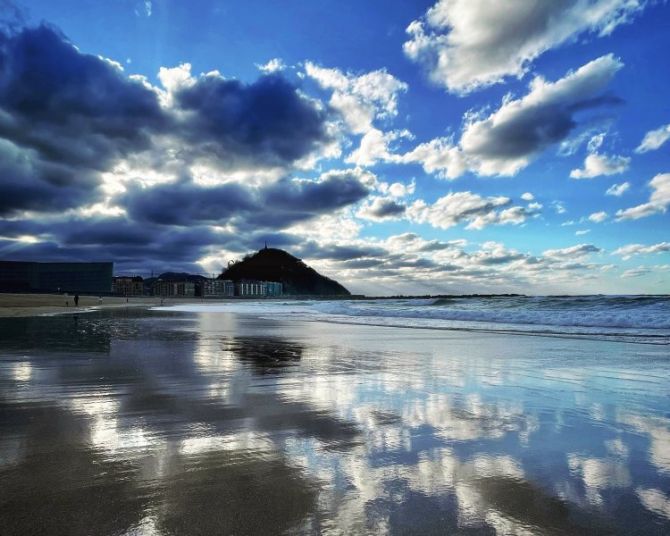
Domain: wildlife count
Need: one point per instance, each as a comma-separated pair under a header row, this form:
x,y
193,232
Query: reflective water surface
x,y
140,422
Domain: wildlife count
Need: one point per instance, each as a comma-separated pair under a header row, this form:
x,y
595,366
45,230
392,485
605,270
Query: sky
x,y
425,147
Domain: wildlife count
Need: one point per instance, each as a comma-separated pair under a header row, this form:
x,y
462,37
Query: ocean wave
x,y
644,313
623,318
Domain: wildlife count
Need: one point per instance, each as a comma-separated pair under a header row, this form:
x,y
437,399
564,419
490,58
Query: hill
x,y
272,264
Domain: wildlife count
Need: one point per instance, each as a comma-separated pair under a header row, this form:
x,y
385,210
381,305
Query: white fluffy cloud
x,y
439,156
478,211
376,145
362,101
618,190
272,66
597,164
598,217
658,201
626,252
654,139
468,44
505,142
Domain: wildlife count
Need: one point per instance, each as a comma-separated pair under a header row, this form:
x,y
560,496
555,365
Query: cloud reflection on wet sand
x,y
214,423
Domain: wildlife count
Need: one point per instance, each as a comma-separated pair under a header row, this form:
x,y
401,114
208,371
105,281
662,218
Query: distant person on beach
x,y
76,300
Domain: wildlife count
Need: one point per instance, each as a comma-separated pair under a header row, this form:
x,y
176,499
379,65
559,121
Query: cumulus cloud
x,y
62,130
266,123
333,190
60,127
439,156
477,211
363,101
596,165
94,152
508,139
573,252
277,205
398,189
96,164
598,217
658,201
34,184
272,66
468,44
381,208
559,207
654,139
617,190
47,107
626,252
377,145
360,99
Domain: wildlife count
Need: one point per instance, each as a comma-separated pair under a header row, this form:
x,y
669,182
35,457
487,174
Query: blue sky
x,y
400,147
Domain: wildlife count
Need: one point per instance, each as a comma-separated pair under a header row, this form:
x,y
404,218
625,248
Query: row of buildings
x,y
96,278
200,287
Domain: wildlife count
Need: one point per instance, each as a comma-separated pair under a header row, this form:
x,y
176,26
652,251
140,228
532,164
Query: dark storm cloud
x,y
382,208
31,184
361,264
66,116
267,121
112,232
183,202
70,107
133,247
336,190
313,250
275,206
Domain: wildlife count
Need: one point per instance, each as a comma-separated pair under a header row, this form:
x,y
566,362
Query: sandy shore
x,y
226,422
13,305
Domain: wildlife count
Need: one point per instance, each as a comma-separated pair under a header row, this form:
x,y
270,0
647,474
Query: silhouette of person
x,y
76,300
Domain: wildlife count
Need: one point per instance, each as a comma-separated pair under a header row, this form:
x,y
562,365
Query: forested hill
x,y
272,264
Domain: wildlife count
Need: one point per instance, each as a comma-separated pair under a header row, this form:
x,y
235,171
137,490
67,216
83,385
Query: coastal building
x,y
173,288
89,277
273,288
246,289
257,289
212,288
128,286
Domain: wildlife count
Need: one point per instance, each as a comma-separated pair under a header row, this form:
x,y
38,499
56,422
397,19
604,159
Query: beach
x,y
51,304
257,418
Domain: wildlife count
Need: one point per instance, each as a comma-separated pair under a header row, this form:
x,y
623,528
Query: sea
x,y
640,319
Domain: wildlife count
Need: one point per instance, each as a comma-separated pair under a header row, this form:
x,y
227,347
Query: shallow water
x,y
640,319
163,422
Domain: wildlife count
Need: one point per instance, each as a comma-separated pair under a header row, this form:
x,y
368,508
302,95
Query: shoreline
x,y
23,305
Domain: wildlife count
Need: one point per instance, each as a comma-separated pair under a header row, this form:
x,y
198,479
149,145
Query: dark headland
x,y
271,264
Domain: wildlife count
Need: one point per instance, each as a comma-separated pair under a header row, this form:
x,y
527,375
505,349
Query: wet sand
x,y
129,421
18,305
